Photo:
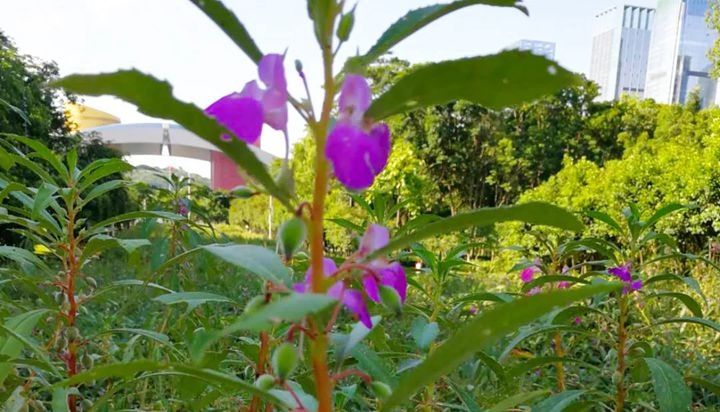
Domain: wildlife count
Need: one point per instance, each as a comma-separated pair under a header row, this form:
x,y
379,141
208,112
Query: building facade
x,y
621,43
540,48
677,61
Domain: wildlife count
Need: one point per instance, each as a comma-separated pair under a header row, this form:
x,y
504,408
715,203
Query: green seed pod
x,y
243,192
61,343
265,382
391,299
91,282
381,389
87,361
59,298
284,360
346,25
617,377
254,304
86,404
73,333
291,235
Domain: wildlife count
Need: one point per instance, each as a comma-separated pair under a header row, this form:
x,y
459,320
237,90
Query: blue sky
x,y
172,40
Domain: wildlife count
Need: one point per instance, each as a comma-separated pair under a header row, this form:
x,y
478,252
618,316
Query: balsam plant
x,y
50,218
305,326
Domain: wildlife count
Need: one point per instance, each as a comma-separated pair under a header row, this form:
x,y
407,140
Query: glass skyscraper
x,y
677,62
620,50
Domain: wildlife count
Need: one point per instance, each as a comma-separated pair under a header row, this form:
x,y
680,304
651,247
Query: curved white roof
x,y
149,138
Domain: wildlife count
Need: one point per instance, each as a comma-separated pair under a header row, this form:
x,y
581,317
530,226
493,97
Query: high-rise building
x,y
620,50
678,63
541,48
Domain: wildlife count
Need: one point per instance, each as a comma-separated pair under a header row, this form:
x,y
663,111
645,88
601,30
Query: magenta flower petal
x,y
371,287
336,290
563,285
300,287
380,133
354,155
354,98
622,272
275,110
243,116
528,274
394,277
578,320
353,300
272,72
253,91
534,291
636,285
375,237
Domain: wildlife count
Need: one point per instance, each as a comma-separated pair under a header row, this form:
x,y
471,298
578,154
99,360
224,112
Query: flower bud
x,y
617,377
381,389
291,235
61,343
284,360
391,299
59,298
346,25
254,304
265,382
298,66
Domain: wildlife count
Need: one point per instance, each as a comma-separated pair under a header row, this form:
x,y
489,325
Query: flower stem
x,y
319,346
620,390
70,275
559,366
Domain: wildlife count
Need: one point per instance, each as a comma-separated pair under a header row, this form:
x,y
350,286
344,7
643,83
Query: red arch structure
x,y
150,138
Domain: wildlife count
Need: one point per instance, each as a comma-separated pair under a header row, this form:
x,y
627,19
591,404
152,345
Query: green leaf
x,y
230,24
127,370
516,400
424,333
698,321
43,152
712,387
543,280
154,98
662,212
466,397
22,257
43,198
254,259
100,169
101,189
158,337
417,19
10,346
485,329
60,399
344,343
558,402
537,213
670,390
143,214
370,363
607,219
100,243
688,301
322,13
193,299
496,82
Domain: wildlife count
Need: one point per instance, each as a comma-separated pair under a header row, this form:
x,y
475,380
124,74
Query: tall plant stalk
x,y
620,389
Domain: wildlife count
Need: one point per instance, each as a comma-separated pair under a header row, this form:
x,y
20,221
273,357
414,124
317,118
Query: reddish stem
x,y
352,372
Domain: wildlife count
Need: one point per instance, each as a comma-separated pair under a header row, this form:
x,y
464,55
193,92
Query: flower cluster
x,y
623,272
244,113
358,151
377,276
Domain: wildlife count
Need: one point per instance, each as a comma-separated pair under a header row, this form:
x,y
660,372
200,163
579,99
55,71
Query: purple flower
x,y
358,151
528,273
473,309
578,320
534,291
244,113
623,272
563,284
351,298
390,274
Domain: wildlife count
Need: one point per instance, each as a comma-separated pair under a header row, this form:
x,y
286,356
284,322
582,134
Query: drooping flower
x,y
390,274
244,113
41,249
358,151
624,274
350,298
